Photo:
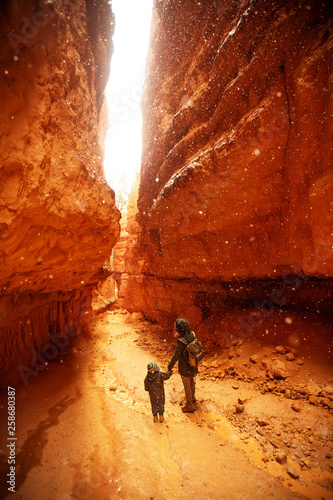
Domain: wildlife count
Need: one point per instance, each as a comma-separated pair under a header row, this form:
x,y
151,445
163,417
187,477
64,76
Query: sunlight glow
x,y
124,90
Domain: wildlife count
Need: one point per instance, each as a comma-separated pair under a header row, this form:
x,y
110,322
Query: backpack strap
x,y
184,341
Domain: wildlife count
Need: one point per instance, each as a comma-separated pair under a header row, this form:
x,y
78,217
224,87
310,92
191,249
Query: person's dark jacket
x,y
181,355
154,384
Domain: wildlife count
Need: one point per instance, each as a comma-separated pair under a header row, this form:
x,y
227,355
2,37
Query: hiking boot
x,y
188,408
161,418
155,418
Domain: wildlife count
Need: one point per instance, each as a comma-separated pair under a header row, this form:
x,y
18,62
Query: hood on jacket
x,y
153,375
183,327
157,369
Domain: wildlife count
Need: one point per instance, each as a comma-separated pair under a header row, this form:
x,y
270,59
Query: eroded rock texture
x,y
127,264
236,192
58,219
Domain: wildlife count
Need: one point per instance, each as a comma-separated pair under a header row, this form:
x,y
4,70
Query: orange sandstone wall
x,y
58,220
236,178
127,264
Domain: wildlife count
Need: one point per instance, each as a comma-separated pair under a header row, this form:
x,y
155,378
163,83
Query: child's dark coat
x,y
154,384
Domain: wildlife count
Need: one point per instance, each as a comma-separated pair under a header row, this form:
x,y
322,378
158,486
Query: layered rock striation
x,y
236,190
58,220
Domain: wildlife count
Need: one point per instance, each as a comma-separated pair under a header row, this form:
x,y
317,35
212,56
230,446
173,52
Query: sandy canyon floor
x,y
84,428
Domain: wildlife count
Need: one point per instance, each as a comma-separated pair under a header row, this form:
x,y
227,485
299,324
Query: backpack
x,y
195,352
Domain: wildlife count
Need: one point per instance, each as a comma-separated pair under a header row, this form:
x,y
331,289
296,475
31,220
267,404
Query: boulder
x,y
292,472
280,349
313,389
281,457
296,407
254,358
279,370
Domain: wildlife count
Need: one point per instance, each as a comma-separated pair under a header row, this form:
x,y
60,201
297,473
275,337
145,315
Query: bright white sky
x,y
123,139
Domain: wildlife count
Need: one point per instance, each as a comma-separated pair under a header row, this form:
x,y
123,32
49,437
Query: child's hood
x,y
153,375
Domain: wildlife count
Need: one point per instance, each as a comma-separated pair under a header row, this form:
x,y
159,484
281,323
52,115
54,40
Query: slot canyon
x,y
229,224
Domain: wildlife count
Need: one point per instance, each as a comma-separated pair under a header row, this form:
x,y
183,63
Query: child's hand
x,y
169,372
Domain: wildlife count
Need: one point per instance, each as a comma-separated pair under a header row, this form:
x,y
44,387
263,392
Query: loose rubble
x,y
246,378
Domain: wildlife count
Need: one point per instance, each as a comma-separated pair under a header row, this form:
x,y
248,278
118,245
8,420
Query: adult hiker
x,y
187,372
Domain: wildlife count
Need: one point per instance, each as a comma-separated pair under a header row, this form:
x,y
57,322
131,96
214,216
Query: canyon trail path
x,y
85,430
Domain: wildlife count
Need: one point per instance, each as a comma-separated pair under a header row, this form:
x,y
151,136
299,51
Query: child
x,y
154,384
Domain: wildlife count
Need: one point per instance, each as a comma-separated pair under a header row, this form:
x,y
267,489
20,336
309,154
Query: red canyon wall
x,y
58,220
236,194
